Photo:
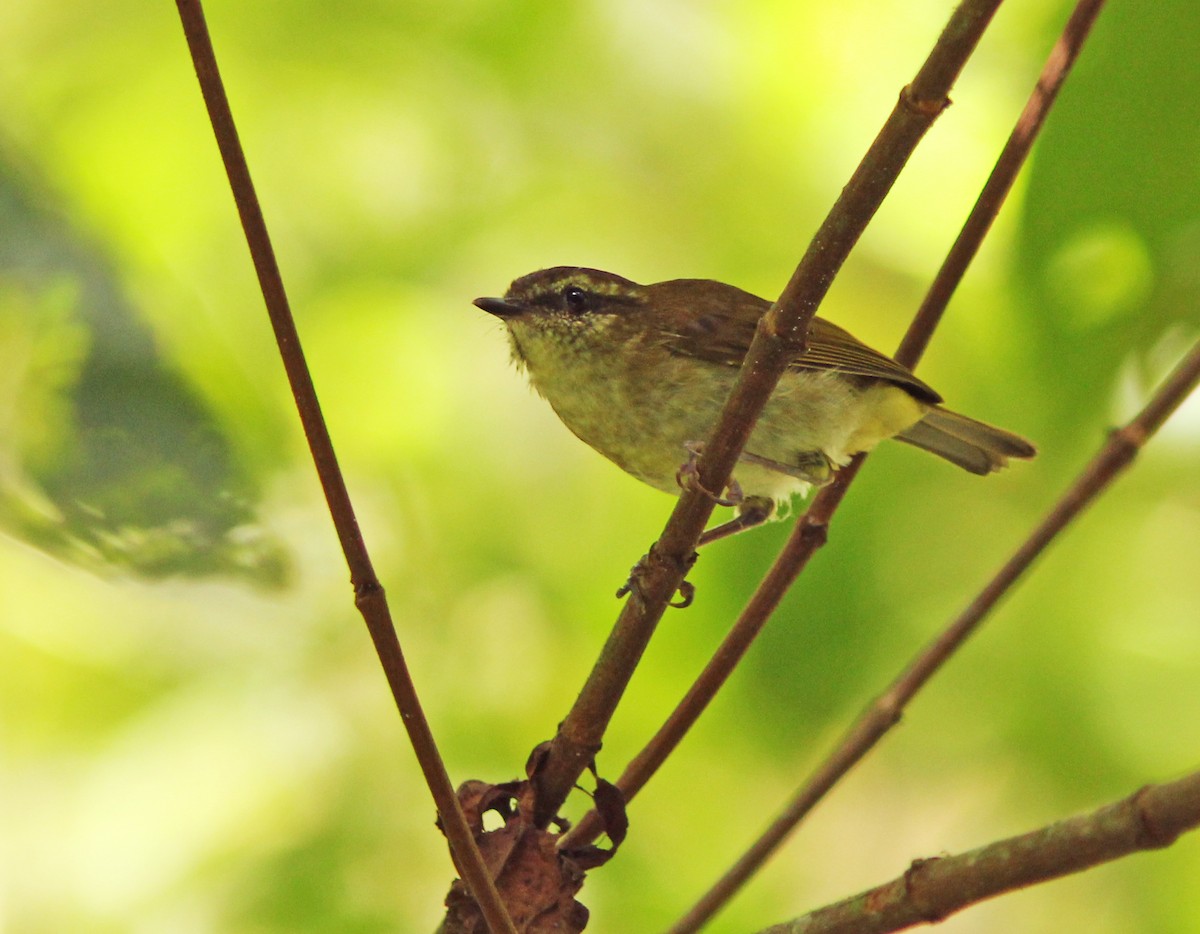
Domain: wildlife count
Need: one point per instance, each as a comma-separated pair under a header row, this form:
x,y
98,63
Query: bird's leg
x,y
751,511
813,467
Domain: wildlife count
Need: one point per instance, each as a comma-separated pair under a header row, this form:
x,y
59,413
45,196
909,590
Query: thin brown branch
x,y
933,889
1112,459
999,184
811,529
804,541
369,595
780,336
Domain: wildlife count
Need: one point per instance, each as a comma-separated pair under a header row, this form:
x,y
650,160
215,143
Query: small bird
x,y
641,372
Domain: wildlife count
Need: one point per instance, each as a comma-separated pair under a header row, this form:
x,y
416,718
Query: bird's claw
x,y
688,477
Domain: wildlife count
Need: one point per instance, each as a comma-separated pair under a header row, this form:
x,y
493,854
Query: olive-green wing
x,y
715,322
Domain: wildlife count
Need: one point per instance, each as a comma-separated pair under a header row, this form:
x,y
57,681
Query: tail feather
x,y
970,444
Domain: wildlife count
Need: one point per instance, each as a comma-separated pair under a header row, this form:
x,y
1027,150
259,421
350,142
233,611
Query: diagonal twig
x,y
1058,65
1109,462
779,337
368,592
933,889
811,528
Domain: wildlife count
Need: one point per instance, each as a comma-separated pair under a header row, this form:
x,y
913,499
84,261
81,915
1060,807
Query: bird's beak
x,y
499,307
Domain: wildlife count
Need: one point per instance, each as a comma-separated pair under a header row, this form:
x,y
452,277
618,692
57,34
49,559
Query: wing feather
x,y
715,322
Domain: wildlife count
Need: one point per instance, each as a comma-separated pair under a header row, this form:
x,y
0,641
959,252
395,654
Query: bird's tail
x,y
972,445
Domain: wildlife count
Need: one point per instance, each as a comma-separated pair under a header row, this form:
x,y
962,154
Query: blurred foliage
x,y
182,751
109,457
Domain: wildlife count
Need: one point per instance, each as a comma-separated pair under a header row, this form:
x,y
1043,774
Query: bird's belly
x,y
645,422
642,423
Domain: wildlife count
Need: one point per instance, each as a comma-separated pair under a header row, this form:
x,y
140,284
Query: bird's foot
x,y
688,477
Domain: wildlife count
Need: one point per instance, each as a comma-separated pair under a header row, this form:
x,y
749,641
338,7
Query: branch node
x,y
928,911
1150,835
642,569
814,532
924,107
1133,437
366,590
792,341
888,708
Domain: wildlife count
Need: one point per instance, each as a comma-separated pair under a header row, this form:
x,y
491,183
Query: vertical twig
x,y
368,593
779,337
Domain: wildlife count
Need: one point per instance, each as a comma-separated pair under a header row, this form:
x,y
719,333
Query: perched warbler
x,y
640,373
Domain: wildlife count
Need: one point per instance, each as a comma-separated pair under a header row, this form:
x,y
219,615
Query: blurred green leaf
x,y
107,456
1110,227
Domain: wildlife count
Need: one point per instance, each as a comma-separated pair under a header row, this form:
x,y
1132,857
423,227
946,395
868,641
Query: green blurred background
x,y
195,734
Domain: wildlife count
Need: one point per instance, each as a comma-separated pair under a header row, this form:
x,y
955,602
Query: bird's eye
x,y
575,298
